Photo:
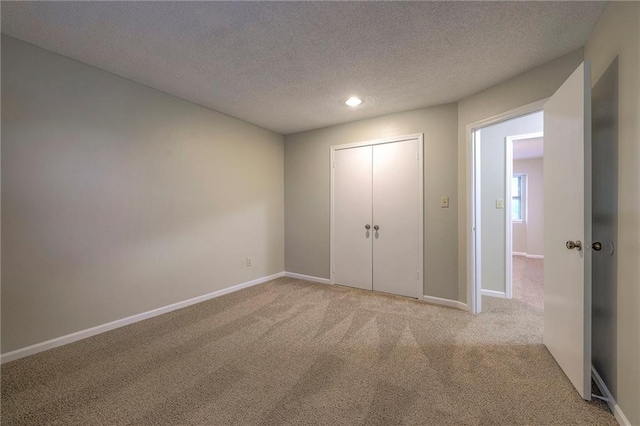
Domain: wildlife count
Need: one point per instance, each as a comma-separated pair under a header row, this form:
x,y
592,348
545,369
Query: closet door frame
x,y
420,230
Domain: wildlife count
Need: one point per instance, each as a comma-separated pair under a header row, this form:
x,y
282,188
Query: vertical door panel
x,y
396,211
567,217
352,212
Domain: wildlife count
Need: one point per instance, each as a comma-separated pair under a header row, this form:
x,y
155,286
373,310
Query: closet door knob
x,y
367,227
571,245
376,227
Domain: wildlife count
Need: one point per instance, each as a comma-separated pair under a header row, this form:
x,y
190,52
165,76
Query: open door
x,y
567,228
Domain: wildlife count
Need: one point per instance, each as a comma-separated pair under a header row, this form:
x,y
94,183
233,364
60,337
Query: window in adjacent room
x,y
518,199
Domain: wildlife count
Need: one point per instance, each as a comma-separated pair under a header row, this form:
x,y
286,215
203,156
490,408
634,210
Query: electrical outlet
x,y
444,202
248,261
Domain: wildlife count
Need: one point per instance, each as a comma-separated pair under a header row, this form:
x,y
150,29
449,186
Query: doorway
x,y
524,209
568,244
503,206
489,264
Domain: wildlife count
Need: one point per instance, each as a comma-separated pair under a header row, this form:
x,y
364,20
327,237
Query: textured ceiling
x,y
524,149
288,67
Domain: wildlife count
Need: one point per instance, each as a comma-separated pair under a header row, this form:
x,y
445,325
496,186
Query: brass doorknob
x,y
596,246
367,227
376,227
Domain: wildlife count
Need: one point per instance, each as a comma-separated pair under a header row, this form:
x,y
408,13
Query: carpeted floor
x,y
295,352
528,281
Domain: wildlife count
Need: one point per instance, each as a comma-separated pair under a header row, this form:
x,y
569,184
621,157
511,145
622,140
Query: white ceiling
x,y
524,149
289,66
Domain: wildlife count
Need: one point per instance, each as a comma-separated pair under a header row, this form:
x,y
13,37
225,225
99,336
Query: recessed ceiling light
x,y
353,101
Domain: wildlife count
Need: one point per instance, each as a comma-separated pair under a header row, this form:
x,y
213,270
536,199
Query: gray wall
x,y
538,83
307,175
528,235
604,100
307,192
118,198
618,34
492,182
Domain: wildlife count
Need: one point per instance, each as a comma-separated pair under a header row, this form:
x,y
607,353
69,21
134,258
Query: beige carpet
x,y
294,352
528,281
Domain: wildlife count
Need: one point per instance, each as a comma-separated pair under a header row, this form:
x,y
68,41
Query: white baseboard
x,y
527,255
446,302
613,405
307,278
83,334
493,293
430,299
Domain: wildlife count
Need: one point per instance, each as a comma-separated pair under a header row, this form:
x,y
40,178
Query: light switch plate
x,y
444,202
500,203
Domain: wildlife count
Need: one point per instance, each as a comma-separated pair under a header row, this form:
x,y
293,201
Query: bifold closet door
x,y
396,212
352,213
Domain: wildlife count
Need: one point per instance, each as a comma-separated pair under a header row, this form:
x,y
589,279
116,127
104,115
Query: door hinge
x,y
334,165
418,275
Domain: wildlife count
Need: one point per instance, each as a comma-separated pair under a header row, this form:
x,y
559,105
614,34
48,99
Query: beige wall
x,y
528,235
118,199
519,237
531,86
618,34
307,192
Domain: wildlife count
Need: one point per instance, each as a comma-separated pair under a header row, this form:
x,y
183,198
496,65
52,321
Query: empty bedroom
x,y
270,213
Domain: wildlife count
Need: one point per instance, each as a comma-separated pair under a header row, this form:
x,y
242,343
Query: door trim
x,y
420,159
474,293
509,140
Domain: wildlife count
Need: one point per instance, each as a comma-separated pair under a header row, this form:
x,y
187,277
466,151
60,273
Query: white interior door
x,y
567,221
397,215
352,214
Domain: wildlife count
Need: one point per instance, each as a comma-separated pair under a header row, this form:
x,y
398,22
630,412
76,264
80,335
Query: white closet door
x,y
352,198
396,211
